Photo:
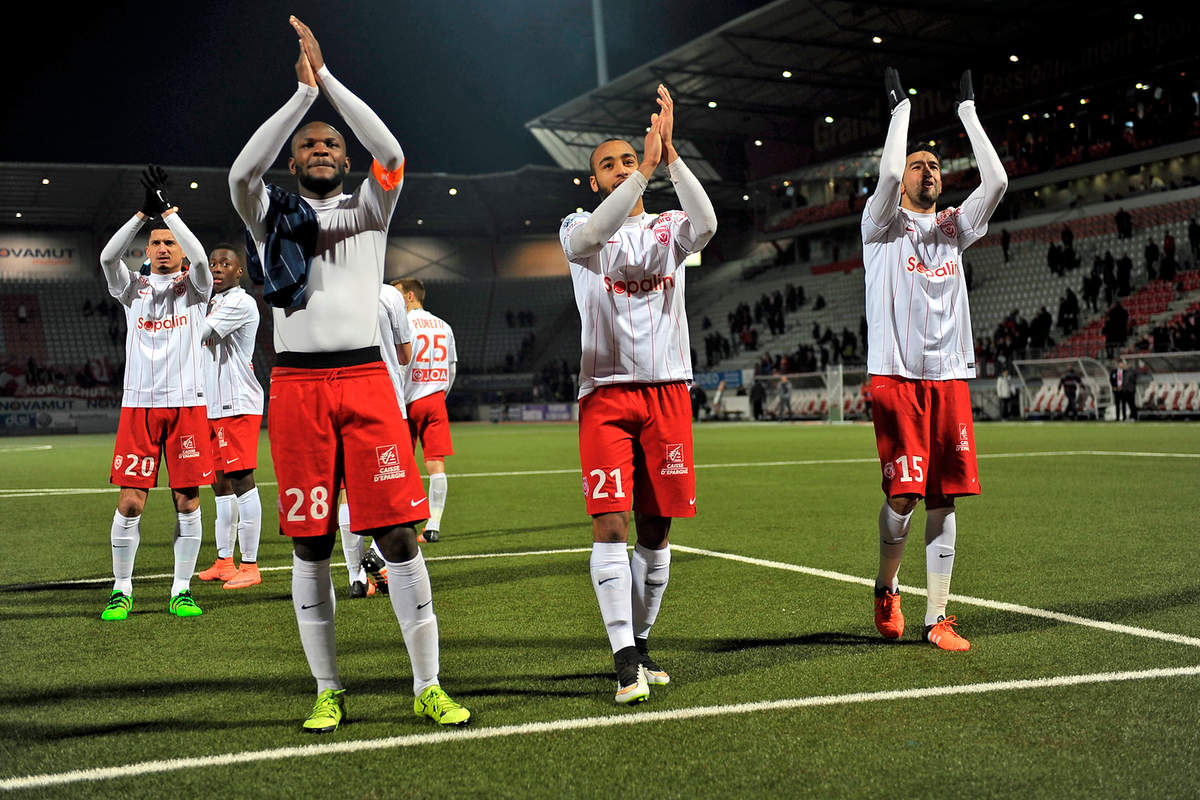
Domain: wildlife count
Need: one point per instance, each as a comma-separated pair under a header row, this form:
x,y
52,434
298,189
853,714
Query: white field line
x,y
1015,608
585,723
25,448
14,493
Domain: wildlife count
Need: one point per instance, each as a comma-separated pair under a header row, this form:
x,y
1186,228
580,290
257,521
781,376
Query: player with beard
x,y
635,413
920,353
334,418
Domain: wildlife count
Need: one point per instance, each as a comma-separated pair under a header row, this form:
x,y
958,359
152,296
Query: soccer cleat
x,y
222,570
376,568
118,608
182,605
437,705
358,589
247,576
420,538
328,713
430,535
889,620
942,635
655,675
632,683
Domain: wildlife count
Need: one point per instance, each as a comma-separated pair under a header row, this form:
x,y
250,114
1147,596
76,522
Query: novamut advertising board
x,y
59,414
49,255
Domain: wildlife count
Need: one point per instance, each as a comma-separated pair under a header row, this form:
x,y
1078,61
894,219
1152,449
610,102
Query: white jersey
x,y
393,330
434,355
630,299
918,319
232,389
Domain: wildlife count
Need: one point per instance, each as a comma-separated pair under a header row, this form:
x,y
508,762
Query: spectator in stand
x,y
1068,237
820,303
22,314
1194,239
1110,277
1124,221
1005,242
1151,253
1168,247
784,409
1124,275
1054,259
1070,386
1116,327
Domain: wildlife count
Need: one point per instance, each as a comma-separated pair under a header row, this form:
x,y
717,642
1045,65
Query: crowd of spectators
x,y
520,319
31,377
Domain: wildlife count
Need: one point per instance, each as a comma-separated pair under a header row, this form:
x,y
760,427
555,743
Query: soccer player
x,y
333,418
920,353
430,376
635,421
395,338
162,408
235,406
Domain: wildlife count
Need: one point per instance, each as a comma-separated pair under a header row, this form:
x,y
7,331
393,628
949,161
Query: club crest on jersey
x,y
388,459
964,439
945,221
673,461
187,447
585,486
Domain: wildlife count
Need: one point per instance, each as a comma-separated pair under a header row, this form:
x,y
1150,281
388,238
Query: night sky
x,y
187,83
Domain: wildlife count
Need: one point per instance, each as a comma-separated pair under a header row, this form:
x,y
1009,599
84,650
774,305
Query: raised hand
x,y
308,44
154,181
891,83
304,70
652,154
666,118
966,91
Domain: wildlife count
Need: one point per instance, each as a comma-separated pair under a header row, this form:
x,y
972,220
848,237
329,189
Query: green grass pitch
x,y
779,682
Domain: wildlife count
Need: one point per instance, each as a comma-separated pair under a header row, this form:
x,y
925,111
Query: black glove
x,y
965,90
891,84
155,202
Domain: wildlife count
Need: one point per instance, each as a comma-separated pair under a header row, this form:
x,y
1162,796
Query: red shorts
x,y
427,421
335,427
146,434
235,442
925,436
635,447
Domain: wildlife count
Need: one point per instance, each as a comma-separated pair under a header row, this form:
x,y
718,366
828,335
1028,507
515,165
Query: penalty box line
x,y
1016,608
811,462
585,723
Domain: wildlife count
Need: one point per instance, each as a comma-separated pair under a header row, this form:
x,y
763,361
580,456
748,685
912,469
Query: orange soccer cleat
x,y
247,576
942,635
222,570
889,620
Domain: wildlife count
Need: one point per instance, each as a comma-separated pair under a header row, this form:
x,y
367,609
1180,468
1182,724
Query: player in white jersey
x,y
162,408
920,353
334,419
635,413
430,376
370,575
235,407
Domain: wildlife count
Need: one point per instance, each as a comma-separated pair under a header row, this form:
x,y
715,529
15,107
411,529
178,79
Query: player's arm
x,y
978,208
884,204
366,124
701,222
226,317
451,359
246,187
402,332
587,239
198,273
116,273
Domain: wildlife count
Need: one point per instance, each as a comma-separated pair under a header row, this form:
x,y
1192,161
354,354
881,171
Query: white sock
x,y
125,535
412,600
613,582
352,546
312,599
223,529
189,533
437,501
893,532
941,531
649,570
249,525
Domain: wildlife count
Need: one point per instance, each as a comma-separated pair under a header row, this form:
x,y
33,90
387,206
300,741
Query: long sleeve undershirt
x,y
884,203
380,142
993,181
695,203
117,273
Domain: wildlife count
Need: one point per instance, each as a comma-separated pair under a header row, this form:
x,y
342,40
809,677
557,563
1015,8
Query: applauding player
x,y
920,353
635,413
235,406
334,419
162,408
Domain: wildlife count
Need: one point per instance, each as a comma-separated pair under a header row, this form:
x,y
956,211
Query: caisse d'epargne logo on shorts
x,y
388,458
673,462
187,447
964,439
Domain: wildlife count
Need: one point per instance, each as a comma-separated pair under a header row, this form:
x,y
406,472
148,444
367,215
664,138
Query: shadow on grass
x,y
822,639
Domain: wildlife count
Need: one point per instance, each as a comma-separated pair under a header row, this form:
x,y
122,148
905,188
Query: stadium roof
x,y
774,75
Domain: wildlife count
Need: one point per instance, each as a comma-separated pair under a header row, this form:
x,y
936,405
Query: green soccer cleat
x,y
328,713
182,605
437,705
118,608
